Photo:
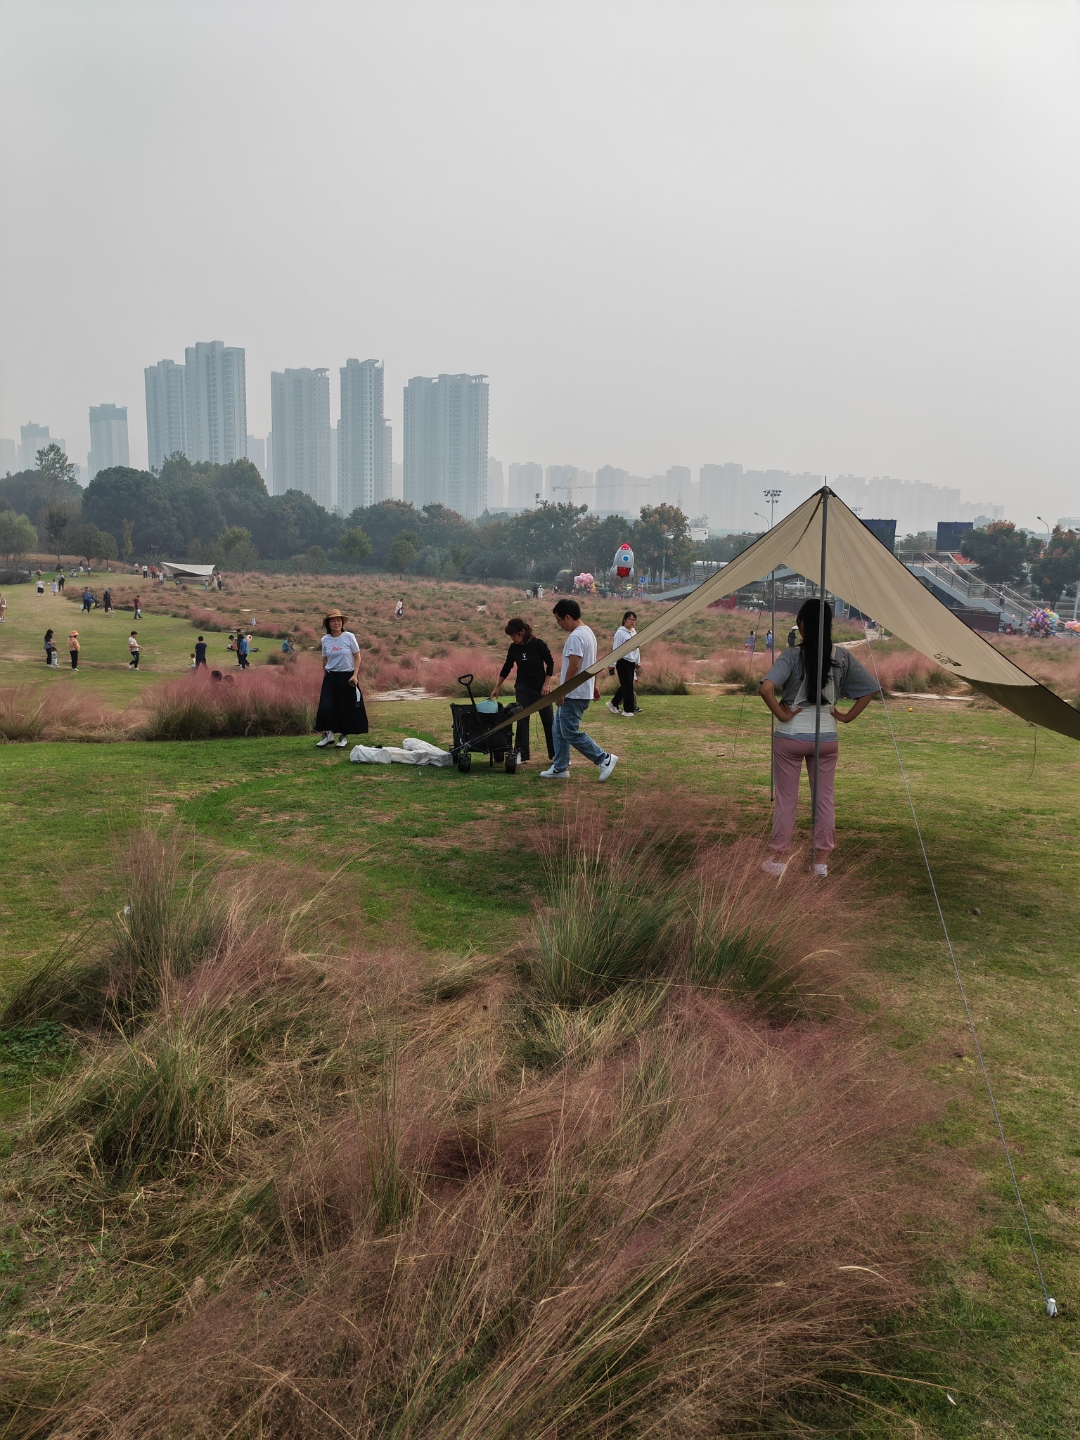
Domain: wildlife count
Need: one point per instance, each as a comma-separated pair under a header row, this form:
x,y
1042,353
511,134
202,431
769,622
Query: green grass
x,y
435,859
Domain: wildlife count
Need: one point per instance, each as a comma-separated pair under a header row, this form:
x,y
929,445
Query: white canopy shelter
x,y
181,570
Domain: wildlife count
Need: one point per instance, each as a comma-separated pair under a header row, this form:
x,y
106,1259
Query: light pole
x,y
665,535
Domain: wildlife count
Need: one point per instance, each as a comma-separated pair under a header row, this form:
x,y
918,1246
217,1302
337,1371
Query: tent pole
x,y
820,664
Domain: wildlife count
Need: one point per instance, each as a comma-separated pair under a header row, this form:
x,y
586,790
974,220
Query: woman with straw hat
x,y
341,705
73,650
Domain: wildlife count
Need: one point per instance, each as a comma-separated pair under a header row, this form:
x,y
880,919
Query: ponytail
x,y
807,619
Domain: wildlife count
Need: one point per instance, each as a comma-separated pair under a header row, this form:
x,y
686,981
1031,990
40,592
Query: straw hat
x,y
73,634
335,615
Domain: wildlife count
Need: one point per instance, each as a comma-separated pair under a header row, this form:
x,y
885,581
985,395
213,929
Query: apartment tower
x,y
445,443
300,412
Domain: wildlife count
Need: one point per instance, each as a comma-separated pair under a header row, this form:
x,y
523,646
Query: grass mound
x,y
292,1192
46,710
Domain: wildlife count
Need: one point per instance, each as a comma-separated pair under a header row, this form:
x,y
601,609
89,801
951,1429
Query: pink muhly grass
x,y
49,710
270,700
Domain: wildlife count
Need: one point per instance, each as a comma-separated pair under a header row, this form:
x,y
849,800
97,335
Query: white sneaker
x,y
819,870
613,708
343,743
327,739
552,774
627,714
607,765
774,867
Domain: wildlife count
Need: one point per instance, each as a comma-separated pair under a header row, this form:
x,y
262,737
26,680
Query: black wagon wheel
x,y
511,762
464,763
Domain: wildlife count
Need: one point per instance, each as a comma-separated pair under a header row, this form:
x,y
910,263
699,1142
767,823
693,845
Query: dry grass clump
x,y
278,700
48,710
297,1195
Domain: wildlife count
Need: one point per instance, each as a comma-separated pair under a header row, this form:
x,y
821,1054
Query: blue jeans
x,y
567,731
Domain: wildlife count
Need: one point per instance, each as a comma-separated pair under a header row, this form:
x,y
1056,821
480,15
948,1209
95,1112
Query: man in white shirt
x,y
579,653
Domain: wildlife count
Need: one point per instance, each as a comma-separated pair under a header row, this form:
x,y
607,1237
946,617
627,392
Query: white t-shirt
x,y
339,651
581,642
622,634
133,644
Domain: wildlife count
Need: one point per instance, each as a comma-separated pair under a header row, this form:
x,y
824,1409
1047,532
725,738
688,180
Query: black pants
x,y
627,673
74,659
134,661
525,695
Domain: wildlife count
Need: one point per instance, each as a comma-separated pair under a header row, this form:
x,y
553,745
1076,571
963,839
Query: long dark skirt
x,y
341,706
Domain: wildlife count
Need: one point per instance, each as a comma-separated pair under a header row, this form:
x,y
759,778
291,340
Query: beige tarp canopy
x,y
181,570
862,571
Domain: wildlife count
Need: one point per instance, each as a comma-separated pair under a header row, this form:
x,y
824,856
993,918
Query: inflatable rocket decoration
x,y
624,561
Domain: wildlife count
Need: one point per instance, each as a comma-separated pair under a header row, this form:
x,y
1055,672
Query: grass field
x,y
443,865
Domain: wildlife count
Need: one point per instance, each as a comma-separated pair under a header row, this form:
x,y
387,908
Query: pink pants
x,y
788,757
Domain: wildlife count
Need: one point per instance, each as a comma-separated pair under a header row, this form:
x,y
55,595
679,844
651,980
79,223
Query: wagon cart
x,y
471,724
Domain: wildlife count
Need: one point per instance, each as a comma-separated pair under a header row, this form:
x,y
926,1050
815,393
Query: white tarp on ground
x,y
410,752
180,569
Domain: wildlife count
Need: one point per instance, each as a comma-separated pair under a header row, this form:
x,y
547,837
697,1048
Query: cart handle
x,y
465,680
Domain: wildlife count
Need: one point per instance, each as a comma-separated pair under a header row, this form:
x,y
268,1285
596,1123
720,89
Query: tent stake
x,y
817,682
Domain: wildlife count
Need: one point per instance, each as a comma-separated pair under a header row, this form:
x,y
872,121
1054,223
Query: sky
x,y
834,237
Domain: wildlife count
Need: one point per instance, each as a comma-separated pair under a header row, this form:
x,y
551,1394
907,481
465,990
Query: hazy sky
x,y
840,237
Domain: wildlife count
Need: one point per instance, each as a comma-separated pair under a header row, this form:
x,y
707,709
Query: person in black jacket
x,y
535,665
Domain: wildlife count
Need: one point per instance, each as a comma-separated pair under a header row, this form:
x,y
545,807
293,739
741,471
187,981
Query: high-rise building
x,y
108,438
300,411
386,490
364,466
496,492
269,476
612,491
166,412
567,485
397,472
256,453
525,489
32,439
216,387
446,436
9,456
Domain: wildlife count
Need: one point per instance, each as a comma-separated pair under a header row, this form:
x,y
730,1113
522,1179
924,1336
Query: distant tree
x,y
460,555
661,539
56,518
105,550
316,559
234,548
1057,568
54,466
403,552
85,540
354,545
127,544
298,563
17,535
1000,552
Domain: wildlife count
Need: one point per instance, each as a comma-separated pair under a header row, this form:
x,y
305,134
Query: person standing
x,y
243,647
55,586
769,641
3,610
73,650
133,650
626,668
50,651
535,666
579,652
793,742
399,610
40,584
341,705
138,607
200,653
751,642
60,582
106,600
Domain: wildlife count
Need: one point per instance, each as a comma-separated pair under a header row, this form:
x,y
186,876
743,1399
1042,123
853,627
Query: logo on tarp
x,y
624,561
947,660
